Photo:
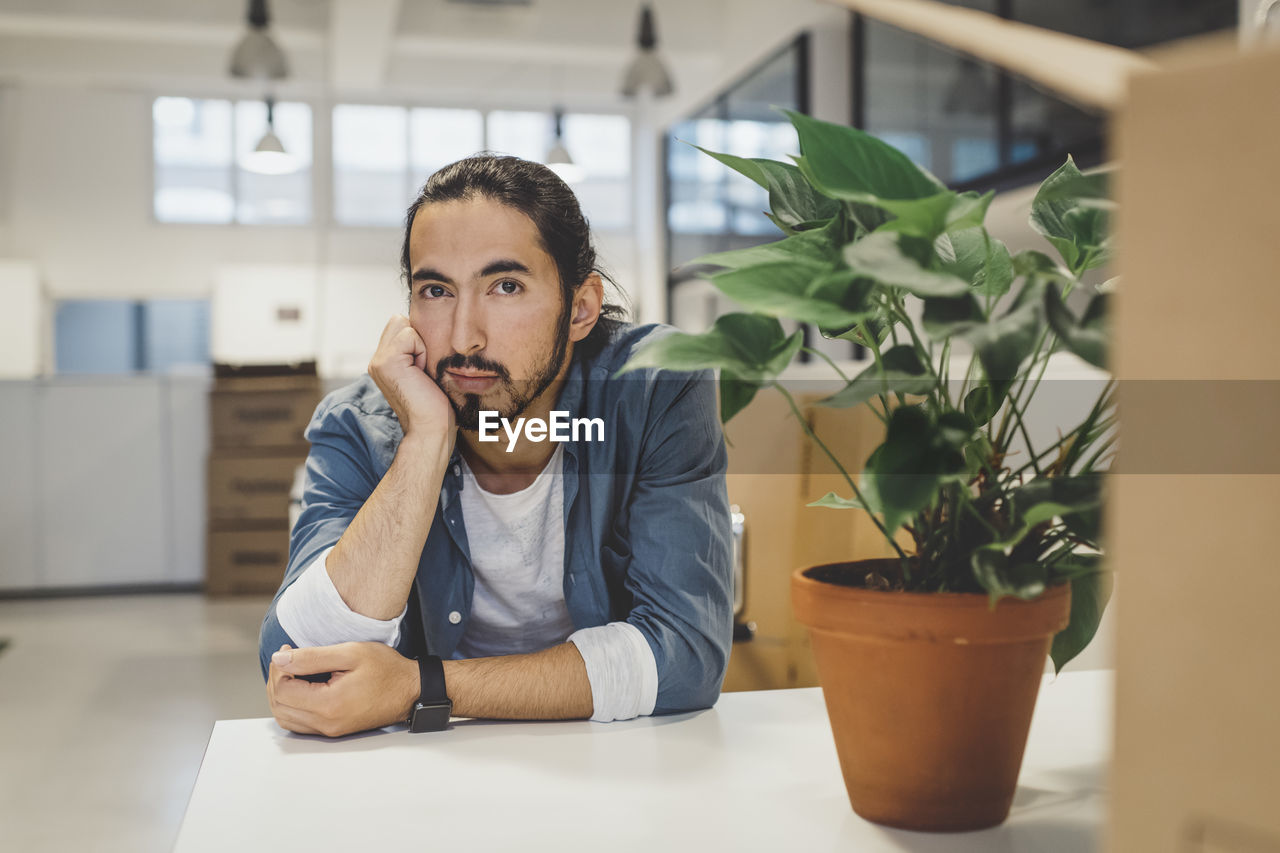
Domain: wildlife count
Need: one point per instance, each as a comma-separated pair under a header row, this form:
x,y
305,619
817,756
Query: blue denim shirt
x,y
646,515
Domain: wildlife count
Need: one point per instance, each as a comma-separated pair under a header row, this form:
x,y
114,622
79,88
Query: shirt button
x,y
454,617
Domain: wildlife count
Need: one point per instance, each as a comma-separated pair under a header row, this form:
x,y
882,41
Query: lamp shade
x,y
258,57
647,71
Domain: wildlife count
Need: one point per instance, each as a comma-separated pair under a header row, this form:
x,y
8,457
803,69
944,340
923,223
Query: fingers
x,y
316,659
400,338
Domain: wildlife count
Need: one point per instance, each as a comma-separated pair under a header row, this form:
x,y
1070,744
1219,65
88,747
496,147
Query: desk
x,y
757,772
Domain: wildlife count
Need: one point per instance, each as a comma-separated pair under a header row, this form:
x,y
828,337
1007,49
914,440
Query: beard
x,y
513,396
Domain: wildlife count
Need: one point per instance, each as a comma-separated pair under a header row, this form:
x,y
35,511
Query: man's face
x,y
485,299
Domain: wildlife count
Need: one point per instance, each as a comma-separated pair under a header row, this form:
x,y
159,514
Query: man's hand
x,y
399,369
372,686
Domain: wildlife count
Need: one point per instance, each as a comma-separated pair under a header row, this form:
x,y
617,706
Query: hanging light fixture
x,y
257,56
647,70
558,159
269,156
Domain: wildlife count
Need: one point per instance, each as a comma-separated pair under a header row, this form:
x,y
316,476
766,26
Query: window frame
x,y
323,212
495,107
235,222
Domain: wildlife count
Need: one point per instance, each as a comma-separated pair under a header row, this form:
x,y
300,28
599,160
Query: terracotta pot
x,y
929,695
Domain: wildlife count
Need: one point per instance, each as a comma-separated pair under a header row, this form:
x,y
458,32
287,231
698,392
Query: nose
x,y
467,335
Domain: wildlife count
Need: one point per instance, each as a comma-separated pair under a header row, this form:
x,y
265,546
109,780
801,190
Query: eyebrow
x,y
493,268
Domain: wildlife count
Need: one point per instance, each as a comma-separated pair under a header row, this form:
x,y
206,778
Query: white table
x,y
757,772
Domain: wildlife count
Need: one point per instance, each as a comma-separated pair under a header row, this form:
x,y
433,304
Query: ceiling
x,y
357,46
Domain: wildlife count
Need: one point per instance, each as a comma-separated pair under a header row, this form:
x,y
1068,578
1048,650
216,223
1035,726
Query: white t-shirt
x,y
517,605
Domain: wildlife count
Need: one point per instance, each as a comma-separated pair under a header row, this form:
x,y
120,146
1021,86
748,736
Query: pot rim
x,y
898,615
912,597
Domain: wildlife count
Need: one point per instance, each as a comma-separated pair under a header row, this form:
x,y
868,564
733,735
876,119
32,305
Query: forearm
x,y
374,562
548,685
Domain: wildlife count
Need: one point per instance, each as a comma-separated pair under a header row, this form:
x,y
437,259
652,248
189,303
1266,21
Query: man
x,y
587,577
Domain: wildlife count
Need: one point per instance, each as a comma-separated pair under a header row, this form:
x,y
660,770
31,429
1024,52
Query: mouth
x,y
472,383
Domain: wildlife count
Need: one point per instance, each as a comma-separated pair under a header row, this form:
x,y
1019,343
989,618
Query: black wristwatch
x,y
432,710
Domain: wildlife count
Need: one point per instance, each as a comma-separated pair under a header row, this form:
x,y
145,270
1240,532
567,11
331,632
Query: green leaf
x,y
735,394
744,346
900,371
834,501
1001,577
981,405
806,246
945,317
801,291
1035,264
1076,500
924,217
983,261
879,256
1079,231
1004,343
955,429
1086,338
905,473
877,327
793,202
1090,593
845,163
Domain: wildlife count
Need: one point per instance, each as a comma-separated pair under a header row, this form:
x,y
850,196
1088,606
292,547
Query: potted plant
x,y
930,661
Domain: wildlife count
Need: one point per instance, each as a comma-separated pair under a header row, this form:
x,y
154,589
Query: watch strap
x,y
432,710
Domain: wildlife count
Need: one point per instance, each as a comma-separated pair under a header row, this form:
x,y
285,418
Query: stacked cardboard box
x,y
257,416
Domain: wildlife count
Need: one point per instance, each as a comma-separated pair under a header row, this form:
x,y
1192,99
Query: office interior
x,y
159,255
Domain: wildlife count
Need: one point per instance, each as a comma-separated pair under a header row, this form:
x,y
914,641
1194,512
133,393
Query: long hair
x,y
541,195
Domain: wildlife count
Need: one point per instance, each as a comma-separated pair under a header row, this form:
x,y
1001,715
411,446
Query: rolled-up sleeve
x,y
680,571
340,477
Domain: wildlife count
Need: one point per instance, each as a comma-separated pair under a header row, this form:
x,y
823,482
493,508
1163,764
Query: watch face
x,y
430,718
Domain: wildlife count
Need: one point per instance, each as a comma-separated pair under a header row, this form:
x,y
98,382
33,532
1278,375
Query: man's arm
x,y
373,686
374,562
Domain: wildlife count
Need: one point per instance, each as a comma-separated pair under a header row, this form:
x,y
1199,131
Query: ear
x,y
587,300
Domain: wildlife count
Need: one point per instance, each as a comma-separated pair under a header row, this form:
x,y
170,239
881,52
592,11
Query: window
x,y
125,336
201,148
370,157
438,138
710,207
975,126
383,154
601,146
274,198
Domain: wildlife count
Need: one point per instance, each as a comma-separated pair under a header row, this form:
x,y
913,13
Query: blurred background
x,y
201,210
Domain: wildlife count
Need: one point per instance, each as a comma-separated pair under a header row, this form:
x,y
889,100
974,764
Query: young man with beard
x,y
432,572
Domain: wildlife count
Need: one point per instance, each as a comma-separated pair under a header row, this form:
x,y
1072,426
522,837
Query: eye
x,y
507,287
433,291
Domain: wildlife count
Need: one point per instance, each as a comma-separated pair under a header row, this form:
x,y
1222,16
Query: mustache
x,y
458,361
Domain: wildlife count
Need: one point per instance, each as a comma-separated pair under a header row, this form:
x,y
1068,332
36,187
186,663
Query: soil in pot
x,y
929,694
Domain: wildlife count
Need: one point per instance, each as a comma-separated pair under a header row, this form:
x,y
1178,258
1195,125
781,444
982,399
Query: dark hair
x,y
541,195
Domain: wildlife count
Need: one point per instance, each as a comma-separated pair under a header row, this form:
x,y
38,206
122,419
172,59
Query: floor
x,y
106,704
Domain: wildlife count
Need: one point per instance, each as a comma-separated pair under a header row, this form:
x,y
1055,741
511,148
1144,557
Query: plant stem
x,y
795,410
901,312
874,346
1022,427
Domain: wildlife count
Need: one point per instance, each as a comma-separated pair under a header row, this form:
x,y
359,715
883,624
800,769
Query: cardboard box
x,y
263,412
245,562
250,487
1192,511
